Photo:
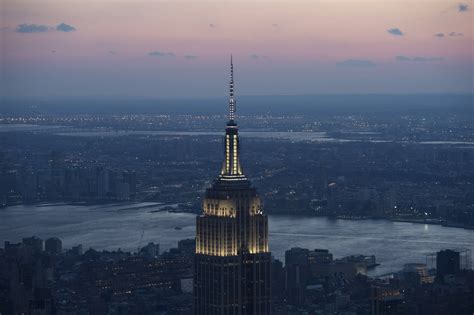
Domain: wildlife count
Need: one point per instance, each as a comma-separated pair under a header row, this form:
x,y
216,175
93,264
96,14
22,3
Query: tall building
x,y
447,262
297,273
53,245
34,242
232,266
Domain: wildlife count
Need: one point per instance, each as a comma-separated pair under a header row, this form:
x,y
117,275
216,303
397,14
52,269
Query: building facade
x,y
232,267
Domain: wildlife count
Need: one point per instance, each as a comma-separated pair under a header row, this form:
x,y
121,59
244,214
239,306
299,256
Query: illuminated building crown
x,y
231,169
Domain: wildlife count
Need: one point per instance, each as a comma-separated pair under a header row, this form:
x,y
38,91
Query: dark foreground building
x,y
232,267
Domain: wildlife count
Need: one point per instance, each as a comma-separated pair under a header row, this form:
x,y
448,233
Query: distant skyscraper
x,y
447,262
34,242
232,268
53,245
297,273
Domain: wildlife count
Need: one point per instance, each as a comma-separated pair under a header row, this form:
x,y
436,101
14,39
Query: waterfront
x,y
116,226
292,136
296,136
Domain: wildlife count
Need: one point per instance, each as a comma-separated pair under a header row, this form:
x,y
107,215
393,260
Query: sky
x,y
181,49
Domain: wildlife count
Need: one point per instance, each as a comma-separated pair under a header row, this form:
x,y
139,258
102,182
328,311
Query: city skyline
x,y
332,173
153,49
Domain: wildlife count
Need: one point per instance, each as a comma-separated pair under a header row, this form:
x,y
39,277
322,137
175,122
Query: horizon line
x,y
136,97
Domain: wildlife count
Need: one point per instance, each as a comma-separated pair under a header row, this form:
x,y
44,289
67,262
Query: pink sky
x,y
279,47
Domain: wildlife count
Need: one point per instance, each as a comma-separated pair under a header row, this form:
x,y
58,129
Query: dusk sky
x,y
181,48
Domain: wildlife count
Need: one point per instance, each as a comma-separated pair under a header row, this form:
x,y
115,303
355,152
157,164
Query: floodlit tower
x,y
232,267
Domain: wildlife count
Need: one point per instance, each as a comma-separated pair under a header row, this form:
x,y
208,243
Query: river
x,y
114,226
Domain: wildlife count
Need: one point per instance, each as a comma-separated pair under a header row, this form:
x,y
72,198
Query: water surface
x,y
116,226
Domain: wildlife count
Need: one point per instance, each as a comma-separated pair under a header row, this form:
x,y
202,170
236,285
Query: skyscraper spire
x,y
231,170
231,93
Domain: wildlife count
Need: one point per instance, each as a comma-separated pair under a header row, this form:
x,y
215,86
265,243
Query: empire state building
x,y
232,266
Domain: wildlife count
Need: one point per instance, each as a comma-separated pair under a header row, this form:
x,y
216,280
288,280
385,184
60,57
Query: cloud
x,y
463,7
161,54
4,28
212,25
402,58
113,52
440,35
258,57
32,28
418,59
39,28
190,57
395,31
360,63
63,27
427,59
275,25
455,34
